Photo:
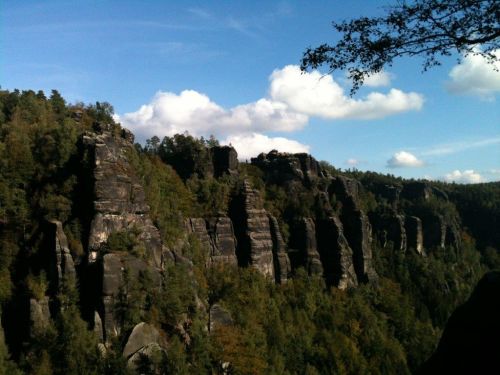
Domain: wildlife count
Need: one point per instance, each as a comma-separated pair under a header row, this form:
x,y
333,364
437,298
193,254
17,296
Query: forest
x,y
390,324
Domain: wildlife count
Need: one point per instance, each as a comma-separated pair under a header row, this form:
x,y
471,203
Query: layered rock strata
x,y
119,197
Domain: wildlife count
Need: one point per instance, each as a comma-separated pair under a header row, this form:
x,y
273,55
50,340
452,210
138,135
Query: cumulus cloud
x,y
169,113
474,76
292,99
404,159
380,79
464,177
250,145
319,95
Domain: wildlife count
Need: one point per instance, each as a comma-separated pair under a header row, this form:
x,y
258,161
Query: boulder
x,y
336,255
144,342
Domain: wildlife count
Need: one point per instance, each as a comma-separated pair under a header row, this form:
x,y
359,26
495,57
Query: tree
x,y
427,28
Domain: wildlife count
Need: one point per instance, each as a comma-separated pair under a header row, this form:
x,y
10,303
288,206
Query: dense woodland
x,y
302,327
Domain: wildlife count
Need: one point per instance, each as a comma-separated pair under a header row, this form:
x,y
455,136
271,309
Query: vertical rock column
x,y
253,232
282,266
414,235
303,241
357,228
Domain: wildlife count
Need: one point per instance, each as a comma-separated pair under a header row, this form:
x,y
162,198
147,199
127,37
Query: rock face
x,y
390,226
434,228
225,160
219,317
119,198
357,228
470,344
39,315
216,235
415,240
144,341
252,229
113,267
336,255
61,266
280,168
303,241
282,266
421,190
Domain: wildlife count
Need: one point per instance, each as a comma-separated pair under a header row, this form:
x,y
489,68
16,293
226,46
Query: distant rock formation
x,y
470,344
282,266
216,236
281,168
305,250
252,229
357,228
336,255
144,342
414,234
225,160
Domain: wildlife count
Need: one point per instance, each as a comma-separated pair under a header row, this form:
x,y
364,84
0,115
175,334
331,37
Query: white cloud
x,y
404,159
465,177
352,162
316,95
380,79
293,98
475,76
251,145
169,113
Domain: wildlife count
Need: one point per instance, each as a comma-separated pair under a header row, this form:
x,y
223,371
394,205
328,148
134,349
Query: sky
x,y
231,69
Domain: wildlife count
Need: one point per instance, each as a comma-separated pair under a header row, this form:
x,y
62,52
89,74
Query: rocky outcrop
x,y
336,255
216,236
434,229
252,229
281,168
414,235
225,160
303,246
390,227
61,267
113,268
223,241
119,198
39,315
421,190
357,228
470,344
144,342
218,317
282,267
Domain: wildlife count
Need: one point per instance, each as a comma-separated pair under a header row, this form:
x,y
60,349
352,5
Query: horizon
x,y
232,71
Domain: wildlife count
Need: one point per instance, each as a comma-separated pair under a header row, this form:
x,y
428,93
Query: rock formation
x,y
281,168
145,341
119,198
390,227
357,228
225,160
305,250
252,229
216,236
414,235
282,266
61,267
336,255
39,315
218,317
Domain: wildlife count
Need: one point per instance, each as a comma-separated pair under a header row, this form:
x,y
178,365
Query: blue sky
x,y
229,68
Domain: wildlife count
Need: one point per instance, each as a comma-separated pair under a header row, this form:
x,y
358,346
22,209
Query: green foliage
x,y
126,240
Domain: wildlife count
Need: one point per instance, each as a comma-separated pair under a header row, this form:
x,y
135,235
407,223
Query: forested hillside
x,y
173,257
